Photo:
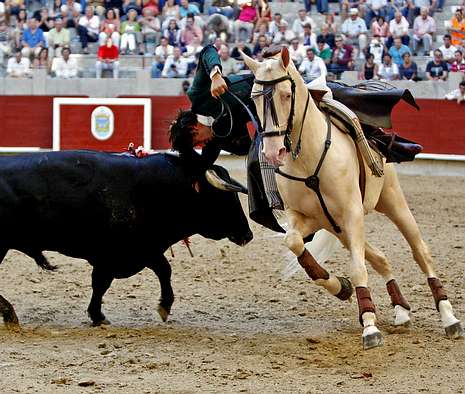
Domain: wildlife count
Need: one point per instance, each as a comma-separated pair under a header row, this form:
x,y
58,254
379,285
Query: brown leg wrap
x,y
346,289
311,267
365,303
439,293
396,296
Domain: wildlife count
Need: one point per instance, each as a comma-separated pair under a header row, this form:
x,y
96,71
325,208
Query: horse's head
x,y
274,96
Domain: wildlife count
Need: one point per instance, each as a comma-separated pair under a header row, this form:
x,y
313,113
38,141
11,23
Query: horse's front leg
x,y
301,226
353,238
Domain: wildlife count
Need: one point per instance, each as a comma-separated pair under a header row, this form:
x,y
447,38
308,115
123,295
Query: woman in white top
x,y
170,11
388,70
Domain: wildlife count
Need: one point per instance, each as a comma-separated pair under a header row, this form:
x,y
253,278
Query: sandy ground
x,y
237,325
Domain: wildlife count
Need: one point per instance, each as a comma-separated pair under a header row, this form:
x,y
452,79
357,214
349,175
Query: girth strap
x,y
313,181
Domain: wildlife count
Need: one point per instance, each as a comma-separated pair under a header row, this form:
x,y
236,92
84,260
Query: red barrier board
x,y
101,124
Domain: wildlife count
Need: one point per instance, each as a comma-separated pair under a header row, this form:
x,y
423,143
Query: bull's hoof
x,y
104,322
454,331
346,289
10,318
372,339
163,312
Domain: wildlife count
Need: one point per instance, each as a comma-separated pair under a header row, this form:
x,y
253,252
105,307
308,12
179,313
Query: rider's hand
x,y
218,86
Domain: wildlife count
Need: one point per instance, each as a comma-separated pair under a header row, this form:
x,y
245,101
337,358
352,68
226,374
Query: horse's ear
x,y
285,57
251,63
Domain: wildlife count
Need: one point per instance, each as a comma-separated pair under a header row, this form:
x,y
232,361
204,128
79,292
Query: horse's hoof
x,y
454,331
402,318
163,312
346,289
372,339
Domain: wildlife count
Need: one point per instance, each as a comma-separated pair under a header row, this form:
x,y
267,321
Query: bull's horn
x,y
233,186
251,63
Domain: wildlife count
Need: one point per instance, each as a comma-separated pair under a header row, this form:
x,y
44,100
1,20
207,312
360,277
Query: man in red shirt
x,y
107,58
459,63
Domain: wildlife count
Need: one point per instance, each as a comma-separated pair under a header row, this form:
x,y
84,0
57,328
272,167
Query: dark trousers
x,y
85,36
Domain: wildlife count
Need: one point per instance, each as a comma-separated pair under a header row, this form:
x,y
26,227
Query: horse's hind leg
x,y
6,309
393,204
300,227
381,265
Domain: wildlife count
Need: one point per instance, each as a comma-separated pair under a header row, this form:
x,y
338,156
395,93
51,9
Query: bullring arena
x,y
239,322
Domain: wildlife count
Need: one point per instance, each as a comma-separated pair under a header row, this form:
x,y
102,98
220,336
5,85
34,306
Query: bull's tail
x,y
321,247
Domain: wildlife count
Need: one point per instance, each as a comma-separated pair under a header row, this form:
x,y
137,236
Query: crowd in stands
x,y
379,38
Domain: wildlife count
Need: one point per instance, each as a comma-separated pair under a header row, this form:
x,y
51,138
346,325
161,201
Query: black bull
x,y
118,213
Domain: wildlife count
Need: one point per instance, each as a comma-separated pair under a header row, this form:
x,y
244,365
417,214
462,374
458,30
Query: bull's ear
x,y
251,63
285,57
196,186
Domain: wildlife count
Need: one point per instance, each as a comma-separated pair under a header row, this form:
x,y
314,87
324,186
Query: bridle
x,y
267,93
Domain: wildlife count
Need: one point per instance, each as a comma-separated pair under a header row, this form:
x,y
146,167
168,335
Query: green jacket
x,y
199,94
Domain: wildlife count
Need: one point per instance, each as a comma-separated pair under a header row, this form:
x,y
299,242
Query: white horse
x,y
288,113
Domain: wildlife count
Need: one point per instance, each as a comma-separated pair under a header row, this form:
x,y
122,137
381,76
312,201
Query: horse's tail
x,y
321,247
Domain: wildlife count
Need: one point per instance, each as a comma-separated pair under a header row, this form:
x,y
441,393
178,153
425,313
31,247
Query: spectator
x,y
129,5
191,31
153,5
447,49
130,33
273,26
375,9
70,16
388,70
58,38
398,27
150,27
110,27
376,48
397,51
45,22
308,38
175,65
342,57
423,30
228,64
219,25
42,61
331,23
171,11
297,52
186,8
327,35
408,70
65,67
415,7
18,66
222,7
355,30
457,94
437,69
161,54
6,41
263,15
369,69
173,33
312,66
457,27
380,27
459,63
347,5
88,28
323,50
107,58
246,21
260,44
299,23
33,39
283,35
19,27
